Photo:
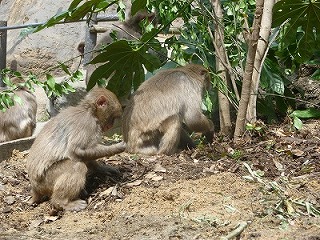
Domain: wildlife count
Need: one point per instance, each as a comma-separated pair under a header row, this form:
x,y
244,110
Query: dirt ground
x,y
267,186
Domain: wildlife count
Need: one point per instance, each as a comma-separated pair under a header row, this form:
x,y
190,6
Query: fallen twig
x,y
236,232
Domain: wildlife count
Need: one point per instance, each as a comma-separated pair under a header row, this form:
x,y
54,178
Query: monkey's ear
x,y
203,72
102,101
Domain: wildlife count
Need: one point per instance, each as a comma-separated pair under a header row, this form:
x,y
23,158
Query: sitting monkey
x,y
66,149
19,121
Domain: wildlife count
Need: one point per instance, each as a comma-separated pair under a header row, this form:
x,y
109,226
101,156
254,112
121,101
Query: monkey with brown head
x,y
130,29
65,150
154,118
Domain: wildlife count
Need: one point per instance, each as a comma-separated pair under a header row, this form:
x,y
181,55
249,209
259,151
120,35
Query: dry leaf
x,y
278,165
50,218
150,175
35,223
114,191
135,183
106,192
281,133
297,152
159,168
157,178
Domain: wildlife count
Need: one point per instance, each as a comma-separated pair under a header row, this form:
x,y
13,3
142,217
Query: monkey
x,y
66,149
19,121
130,29
154,117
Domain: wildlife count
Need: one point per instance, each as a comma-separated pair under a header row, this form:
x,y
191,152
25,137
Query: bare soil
x,y
269,183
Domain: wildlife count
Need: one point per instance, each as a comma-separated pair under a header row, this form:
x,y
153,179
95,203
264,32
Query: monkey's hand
x,y
104,171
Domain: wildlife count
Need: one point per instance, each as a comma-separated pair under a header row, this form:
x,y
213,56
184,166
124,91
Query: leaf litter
x,y
265,188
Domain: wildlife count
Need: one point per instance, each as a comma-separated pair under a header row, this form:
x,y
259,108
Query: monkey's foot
x,y
76,205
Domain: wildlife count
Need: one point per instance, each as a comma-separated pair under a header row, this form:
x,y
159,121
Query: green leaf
x,y
74,4
68,88
65,68
77,76
271,78
208,103
297,123
50,81
17,99
138,5
7,100
122,67
307,113
316,75
75,12
300,14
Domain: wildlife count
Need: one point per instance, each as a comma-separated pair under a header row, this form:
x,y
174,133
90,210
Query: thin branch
x,y
236,232
226,65
225,61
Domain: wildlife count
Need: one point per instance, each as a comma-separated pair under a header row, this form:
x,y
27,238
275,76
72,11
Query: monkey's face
x,y
108,115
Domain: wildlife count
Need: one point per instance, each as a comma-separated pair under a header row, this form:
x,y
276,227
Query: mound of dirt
x,y
270,185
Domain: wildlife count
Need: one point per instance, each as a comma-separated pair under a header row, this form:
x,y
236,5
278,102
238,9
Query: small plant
x,y
305,114
255,129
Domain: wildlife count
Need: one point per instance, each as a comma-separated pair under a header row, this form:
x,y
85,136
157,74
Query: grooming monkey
x,y
65,151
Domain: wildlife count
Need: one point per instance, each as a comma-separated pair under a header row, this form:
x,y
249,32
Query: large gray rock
x,y
39,51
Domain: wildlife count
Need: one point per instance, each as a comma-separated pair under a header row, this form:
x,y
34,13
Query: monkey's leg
x,y
68,186
171,137
36,197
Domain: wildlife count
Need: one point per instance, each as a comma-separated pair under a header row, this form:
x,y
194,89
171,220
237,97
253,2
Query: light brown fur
x,y
129,30
19,121
67,147
153,120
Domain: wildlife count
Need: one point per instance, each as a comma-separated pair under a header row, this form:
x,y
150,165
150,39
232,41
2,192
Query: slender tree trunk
x,y
260,57
221,57
247,78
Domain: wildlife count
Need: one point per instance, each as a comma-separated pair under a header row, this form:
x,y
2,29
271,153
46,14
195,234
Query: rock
x,y
9,200
6,210
38,51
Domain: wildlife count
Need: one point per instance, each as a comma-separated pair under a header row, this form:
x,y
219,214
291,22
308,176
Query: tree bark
x,y
221,60
262,49
247,78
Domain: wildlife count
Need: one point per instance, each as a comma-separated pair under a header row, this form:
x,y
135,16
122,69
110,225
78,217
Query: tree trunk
x,y
221,60
261,53
247,78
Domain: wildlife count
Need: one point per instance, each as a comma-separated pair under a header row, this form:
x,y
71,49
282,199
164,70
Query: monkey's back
x,y
71,128
19,120
159,98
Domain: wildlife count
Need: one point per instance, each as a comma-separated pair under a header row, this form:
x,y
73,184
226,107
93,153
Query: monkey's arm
x,y
99,151
198,122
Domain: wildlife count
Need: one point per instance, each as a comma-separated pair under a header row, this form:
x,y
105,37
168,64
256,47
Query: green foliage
x,y
305,114
51,87
302,28
137,5
121,63
271,78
